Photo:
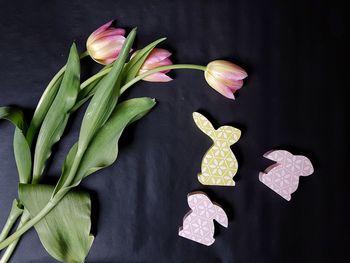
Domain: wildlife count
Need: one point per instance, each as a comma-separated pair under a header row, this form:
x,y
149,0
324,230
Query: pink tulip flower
x,y
157,58
225,77
105,43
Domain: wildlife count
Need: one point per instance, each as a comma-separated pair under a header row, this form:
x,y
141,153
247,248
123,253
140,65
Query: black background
x,y
293,99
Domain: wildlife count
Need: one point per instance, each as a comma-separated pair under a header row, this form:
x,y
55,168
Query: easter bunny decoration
x,y
283,176
219,164
198,224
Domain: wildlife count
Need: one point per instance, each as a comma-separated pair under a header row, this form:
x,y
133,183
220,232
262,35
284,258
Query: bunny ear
x,y
203,124
220,216
196,199
278,155
304,164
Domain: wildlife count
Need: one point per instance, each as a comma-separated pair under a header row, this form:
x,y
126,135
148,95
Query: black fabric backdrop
x,y
293,99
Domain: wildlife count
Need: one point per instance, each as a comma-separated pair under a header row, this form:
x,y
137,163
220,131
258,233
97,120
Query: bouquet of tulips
x,y
60,213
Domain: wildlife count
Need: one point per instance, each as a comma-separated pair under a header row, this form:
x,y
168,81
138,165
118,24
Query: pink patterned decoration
x,y
283,176
198,224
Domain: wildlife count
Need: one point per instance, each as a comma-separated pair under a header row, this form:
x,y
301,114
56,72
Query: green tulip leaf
x,y
85,94
65,231
103,149
22,156
133,66
43,105
88,90
130,70
105,98
45,102
20,145
13,115
58,114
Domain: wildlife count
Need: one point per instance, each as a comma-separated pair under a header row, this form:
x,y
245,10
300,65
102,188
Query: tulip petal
x,y
134,54
225,77
219,86
157,55
225,91
103,27
222,69
99,30
112,32
164,62
158,77
108,61
105,49
233,84
229,94
231,75
157,58
108,42
105,43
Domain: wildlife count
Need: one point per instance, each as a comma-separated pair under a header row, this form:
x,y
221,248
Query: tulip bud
x,y
157,58
105,43
225,77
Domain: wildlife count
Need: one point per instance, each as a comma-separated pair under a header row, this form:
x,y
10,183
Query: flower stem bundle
x,y
61,213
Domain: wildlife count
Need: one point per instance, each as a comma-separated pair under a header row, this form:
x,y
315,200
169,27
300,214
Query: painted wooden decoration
x,y
283,176
219,164
198,224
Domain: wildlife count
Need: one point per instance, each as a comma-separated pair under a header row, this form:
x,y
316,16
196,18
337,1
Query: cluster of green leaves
x,y
61,214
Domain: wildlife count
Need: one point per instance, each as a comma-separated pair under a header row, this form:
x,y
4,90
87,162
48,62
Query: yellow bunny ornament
x,y
219,164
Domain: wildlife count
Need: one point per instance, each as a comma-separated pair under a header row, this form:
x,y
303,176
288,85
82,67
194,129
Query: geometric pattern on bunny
x,y
219,164
283,176
198,224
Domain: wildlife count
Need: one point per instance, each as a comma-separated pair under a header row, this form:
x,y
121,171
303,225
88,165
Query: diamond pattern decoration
x,y
283,176
219,164
198,224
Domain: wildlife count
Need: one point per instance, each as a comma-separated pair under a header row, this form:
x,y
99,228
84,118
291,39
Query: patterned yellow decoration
x,y
219,164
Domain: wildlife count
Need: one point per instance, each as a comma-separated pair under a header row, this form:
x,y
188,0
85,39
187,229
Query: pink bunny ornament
x,y
283,176
198,224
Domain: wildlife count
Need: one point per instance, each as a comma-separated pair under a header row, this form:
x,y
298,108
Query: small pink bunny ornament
x,y
198,224
283,176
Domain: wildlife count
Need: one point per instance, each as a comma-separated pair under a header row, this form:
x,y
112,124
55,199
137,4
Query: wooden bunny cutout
x,y
283,176
219,164
198,224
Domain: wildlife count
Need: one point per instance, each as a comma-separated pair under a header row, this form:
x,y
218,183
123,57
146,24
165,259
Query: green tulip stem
x,y
104,72
49,206
97,76
11,220
84,54
16,213
11,248
62,192
155,70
